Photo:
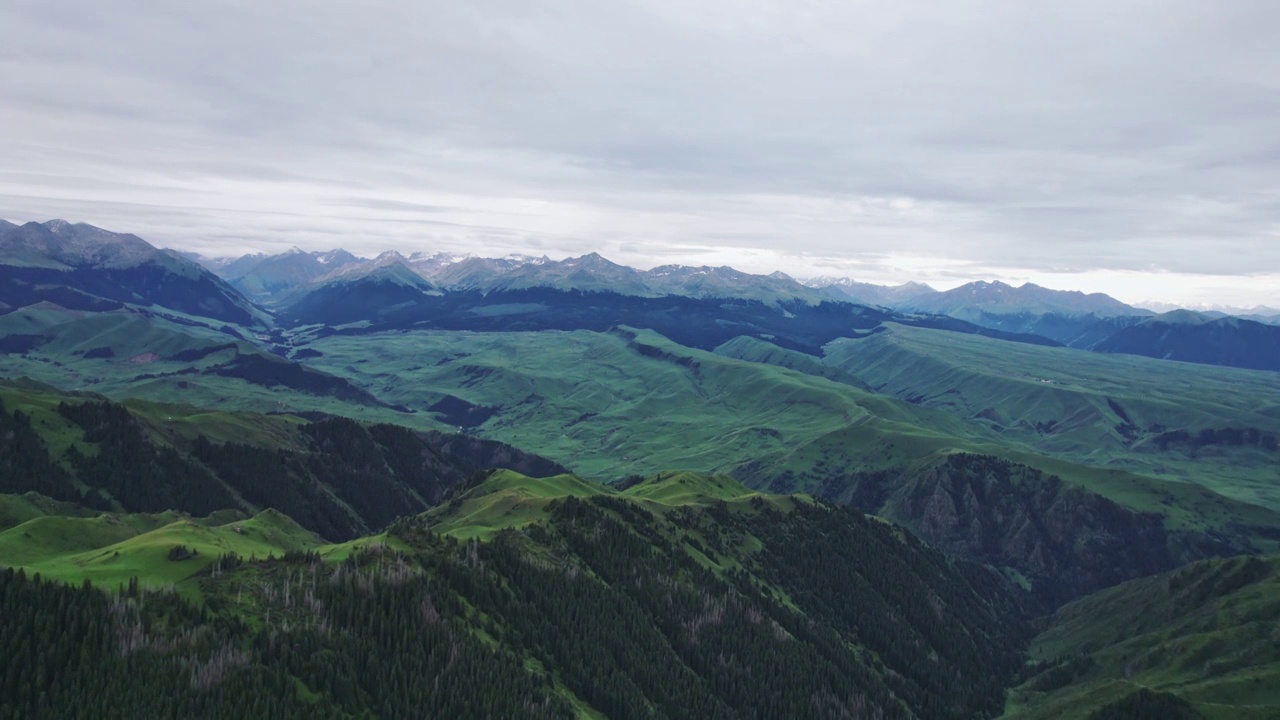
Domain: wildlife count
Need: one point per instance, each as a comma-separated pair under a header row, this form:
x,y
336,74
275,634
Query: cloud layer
x,y
1127,146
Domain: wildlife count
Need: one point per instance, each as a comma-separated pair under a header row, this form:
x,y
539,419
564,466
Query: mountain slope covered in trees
x,y
335,477
658,601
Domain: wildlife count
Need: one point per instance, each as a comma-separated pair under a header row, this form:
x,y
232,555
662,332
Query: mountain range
x,y
86,263
1085,321
274,280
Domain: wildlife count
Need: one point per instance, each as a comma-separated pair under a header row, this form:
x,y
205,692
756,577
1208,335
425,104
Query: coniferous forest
x,y
605,604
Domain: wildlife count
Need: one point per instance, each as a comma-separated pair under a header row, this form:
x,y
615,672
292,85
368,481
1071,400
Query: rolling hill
x,y
631,402
111,549
1108,411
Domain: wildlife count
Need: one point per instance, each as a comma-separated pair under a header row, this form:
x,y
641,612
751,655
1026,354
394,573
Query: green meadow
x,y
109,549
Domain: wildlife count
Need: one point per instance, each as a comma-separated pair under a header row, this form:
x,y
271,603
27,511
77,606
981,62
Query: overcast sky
x,y
1126,147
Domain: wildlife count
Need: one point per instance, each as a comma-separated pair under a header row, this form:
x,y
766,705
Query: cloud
x,y
1091,139
382,204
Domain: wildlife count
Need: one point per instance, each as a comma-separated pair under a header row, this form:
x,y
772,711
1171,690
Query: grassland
x,y
611,405
123,355
507,500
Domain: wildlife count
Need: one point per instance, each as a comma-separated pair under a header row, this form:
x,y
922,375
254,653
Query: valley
x,y
578,490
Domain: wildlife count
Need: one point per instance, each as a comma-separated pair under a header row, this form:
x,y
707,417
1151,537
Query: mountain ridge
x,y
81,266
1000,297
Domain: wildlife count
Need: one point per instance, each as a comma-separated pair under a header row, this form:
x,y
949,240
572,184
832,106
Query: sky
x,y
1126,146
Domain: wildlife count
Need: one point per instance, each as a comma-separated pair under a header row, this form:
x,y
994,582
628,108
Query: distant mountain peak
x,y
848,289
399,272
913,285
592,260
968,301
335,256
1182,317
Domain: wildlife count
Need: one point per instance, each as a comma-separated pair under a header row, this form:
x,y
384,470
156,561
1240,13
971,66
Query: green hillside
x,y
17,509
1213,426
760,351
631,402
301,530
683,488
1207,634
111,549
508,500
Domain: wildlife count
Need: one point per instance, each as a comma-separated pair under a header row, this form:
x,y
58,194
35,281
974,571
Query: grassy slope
x,y
608,406
1207,632
1063,403
598,403
109,549
17,509
508,499
755,350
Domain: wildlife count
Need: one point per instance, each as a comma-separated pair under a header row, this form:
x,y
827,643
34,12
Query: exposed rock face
x,y
1064,540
